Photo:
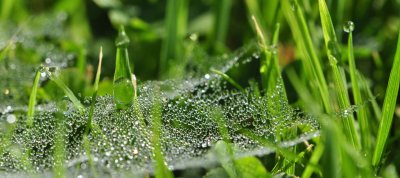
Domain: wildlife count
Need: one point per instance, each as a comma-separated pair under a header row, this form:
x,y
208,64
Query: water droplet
x,y
348,27
11,118
194,37
207,76
47,60
123,92
273,48
293,5
6,91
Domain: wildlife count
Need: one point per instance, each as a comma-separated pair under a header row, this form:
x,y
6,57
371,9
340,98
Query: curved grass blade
x,y
94,96
54,77
389,105
229,79
32,99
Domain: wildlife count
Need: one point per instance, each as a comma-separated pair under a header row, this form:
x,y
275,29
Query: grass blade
x,y
361,113
162,170
389,105
94,96
301,34
32,98
54,77
332,47
229,79
221,22
175,28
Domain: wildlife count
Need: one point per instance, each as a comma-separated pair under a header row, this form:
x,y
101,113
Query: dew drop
x,y
47,60
11,118
207,76
348,27
194,37
6,92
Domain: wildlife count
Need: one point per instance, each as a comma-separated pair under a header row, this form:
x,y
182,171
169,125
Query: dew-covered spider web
x,y
120,140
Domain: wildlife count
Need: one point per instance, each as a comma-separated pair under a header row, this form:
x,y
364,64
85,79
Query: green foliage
x,y
388,107
334,56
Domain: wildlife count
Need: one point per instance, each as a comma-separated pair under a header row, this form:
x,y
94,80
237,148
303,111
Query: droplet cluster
x,y
119,139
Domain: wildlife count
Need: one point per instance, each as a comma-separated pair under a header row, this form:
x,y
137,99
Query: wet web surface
x,y
120,141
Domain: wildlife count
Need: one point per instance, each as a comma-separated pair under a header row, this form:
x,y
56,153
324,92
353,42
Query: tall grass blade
x,y
32,98
253,8
94,96
332,47
270,10
361,113
161,170
389,105
269,69
222,9
172,46
59,148
301,34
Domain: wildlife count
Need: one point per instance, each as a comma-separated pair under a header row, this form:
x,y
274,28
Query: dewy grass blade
x,y
389,105
94,96
161,170
340,85
269,69
313,67
32,98
361,113
54,77
229,79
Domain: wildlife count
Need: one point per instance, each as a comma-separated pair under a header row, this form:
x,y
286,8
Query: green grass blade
x,y
270,10
389,105
162,170
332,47
59,156
94,96
222,9
172,47
361,113
54,77
301,34
255,14
313,162
229,79
269,67
32,99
